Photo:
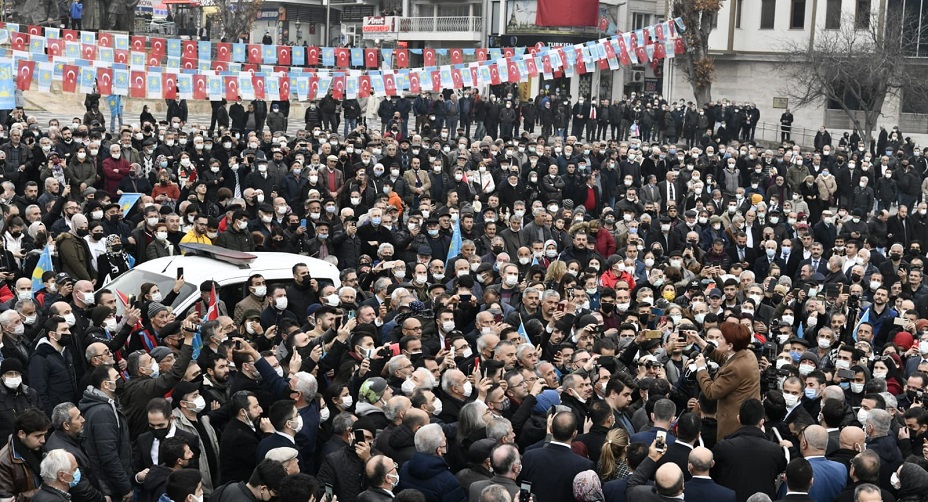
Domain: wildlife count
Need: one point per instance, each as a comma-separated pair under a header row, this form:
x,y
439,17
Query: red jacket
x,y
113,172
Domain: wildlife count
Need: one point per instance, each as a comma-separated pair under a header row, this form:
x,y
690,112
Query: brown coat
x,y
737,380
16,477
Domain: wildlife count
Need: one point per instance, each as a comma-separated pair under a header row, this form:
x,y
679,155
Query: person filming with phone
x,y
737,379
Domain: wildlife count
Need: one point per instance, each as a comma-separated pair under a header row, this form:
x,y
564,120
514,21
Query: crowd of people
x,y
648,314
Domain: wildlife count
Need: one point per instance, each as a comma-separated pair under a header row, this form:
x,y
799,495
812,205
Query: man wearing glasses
x,y
382,477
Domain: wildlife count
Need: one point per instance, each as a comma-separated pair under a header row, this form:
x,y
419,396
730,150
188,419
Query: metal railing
x,y
441,24
769,133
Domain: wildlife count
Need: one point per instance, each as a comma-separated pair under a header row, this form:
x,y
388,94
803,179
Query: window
x,y
640,20
739,7
797,17
862,16
833,15
768,10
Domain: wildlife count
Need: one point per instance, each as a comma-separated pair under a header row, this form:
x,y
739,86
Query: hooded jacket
x,y
431,475
107,445
51,374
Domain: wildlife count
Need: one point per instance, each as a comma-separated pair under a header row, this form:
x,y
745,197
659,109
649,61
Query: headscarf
x,y
587,487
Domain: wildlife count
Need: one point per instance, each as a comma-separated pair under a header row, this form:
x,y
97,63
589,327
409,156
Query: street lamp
x,y
299,32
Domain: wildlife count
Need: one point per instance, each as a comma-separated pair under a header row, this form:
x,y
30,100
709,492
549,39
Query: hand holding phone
x,y
661,441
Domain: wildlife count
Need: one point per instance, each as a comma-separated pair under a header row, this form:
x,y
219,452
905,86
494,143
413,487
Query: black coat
x,y
12,403
51,374
88,488
107,445
551,470
748,463
239,448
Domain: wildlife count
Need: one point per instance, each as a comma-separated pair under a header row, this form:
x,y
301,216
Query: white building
x,y
749,48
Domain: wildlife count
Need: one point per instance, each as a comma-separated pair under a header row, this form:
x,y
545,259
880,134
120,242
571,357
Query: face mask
x,y
894,480
824,343
199,404
468,389
13,382
324,414
281,303
161,236
805,369
840,364
297,423
408,387
791,400
332,300
155,371
879,373
260,290
857,388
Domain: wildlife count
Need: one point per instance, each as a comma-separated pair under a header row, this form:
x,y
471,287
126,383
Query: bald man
x,y
701,487
382,477
852,441
668,479
830,476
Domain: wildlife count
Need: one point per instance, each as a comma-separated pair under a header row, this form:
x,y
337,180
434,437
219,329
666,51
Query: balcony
x,y
448,28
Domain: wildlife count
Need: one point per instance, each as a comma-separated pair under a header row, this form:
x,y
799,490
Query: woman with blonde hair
x,y
612,464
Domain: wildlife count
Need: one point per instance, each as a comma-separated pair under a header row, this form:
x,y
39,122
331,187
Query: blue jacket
x,y
431,475
830,479
706,490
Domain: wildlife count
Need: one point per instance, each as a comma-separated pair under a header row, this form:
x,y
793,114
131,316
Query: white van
x,y
230,269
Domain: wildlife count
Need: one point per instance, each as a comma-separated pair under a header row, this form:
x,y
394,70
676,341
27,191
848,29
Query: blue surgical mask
x,y
375,220
795,356
76,480
811,393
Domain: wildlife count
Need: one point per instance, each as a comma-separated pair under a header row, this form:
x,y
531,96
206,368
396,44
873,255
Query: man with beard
x,y
68,423
22,454
215,386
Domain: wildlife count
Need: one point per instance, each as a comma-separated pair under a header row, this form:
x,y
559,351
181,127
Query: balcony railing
x,y
445,24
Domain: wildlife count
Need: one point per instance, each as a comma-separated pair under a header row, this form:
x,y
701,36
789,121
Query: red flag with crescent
x,y
121,56
88,52
19,41
364,86
137,43
158,46
105,81
436,80
389,84
338,87
231,86
190,49
456,79
494,75
200,86
370,58
414,82
473,76
219,66
25,73
254,53
224,52
69,35
457,56
342,57
154,60
428,55
55,47
168,86
69,78
258,84
402,58
312,55
250,68
105,39
481,54
513,70
137,84
285,88
189,64
530,66
679,46
283,55
508,52
313,87
660,52
34,30
212,313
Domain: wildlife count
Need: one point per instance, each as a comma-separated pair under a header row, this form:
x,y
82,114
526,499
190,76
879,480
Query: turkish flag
x,y
19,41
610,50
436,81
659,31
580,66
121,56
481,54
364,86
224,52
546,63
342,57
258,84
283,55
138,43
402,58
456,78
473,76
154,60
429,56
389,84
623,53
414,83
530,66
24,75
69,35
494,75
679,45
659,51
190,49
603,64
338,87
313,87
231,85
88,52
513,70
168,86
137,84
200,86
280,69
69,81
603,23
105,81
457,56
105,39
250,68
189,64
254,53
158,46
34,30
370,58
508,52
219,66
285,88
642,54
312,55
55,47
567,13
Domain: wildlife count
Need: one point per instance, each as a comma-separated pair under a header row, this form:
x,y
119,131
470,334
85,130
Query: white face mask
x,y
156,296
13,383
281,303
324,414
791,400
260,290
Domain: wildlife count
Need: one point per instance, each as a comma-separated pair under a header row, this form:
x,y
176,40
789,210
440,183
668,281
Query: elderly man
x,y
428,472
68,425
507,464
382,478
15,345
59,470
830,476
701,487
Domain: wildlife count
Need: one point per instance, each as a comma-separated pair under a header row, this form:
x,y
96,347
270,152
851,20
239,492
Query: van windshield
x,y
131,282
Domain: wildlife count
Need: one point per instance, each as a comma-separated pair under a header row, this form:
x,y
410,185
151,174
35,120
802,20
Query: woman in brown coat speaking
x,y
738,377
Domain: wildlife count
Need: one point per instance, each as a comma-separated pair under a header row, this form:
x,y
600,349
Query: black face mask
x,y
497,249
855,277
160,434
895,256
65,340
82,232
607,308
16,235
114,218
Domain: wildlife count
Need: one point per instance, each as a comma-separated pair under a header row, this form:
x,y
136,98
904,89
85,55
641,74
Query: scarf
x,y
32,458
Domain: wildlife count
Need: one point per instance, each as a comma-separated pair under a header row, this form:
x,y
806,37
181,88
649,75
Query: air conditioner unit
x,y
637,76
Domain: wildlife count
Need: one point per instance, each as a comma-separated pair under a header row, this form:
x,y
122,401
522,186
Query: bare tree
x,y
856,66
237,17
698,66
